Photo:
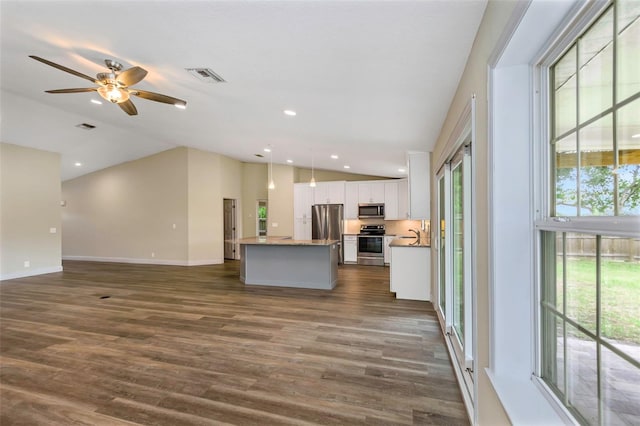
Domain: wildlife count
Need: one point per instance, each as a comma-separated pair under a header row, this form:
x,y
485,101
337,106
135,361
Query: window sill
x,y
524,402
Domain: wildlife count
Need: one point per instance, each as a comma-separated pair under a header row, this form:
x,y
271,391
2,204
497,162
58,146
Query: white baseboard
x,y
145,261
30,273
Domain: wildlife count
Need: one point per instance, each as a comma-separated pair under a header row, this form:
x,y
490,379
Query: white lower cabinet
x,y
410,273
387,249
350,248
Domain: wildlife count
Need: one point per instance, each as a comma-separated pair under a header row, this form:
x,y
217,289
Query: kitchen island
x,y
285,262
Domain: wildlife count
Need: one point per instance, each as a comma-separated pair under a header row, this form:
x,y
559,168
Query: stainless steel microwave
x,y
371,211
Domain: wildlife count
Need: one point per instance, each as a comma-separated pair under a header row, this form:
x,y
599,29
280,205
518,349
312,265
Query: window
x,y
590,266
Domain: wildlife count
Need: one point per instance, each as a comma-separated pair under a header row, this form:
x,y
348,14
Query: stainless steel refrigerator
x,y
326,223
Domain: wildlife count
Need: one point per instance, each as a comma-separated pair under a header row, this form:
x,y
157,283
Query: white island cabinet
x,y
410,275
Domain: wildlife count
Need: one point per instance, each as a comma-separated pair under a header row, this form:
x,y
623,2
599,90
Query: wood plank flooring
x,y
110,344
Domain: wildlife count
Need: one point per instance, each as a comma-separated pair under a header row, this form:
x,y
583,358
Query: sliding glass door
x,y
455,272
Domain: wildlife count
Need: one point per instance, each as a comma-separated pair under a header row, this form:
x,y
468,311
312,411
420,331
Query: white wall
x,y
29,208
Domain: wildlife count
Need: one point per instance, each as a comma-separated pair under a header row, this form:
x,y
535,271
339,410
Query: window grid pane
x,y
592,363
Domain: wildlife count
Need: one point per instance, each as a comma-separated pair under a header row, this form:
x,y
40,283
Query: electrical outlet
x,y
52,230
174,226
274,224
27,264
153,254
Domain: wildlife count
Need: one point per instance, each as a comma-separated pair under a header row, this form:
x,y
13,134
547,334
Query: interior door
x,y
229,228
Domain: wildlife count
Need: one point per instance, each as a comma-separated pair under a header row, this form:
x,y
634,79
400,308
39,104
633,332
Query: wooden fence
x,y
611,248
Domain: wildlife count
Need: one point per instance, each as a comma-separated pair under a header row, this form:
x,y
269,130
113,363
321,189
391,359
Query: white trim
x,y
466,396
145,261
618,226
458,134
553,400
30,273
525,403
519,11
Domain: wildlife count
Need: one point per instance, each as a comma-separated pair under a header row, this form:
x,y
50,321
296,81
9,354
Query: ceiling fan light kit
x,y
114,86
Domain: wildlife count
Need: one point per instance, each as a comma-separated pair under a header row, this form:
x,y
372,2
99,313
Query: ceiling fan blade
x,y
157,97
63,68
128,107
132,76
87,89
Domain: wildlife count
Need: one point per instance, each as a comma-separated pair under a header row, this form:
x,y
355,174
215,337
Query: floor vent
x,y
205,74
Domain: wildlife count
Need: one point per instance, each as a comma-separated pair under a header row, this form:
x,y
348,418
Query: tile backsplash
x,y
397,227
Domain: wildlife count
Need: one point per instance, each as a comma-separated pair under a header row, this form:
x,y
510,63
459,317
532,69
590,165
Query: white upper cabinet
x,y
391,200
371,192
302,201
419,185
351,200
329,193
403,199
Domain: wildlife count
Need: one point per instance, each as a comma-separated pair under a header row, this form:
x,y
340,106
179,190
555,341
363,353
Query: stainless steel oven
x,y
371,245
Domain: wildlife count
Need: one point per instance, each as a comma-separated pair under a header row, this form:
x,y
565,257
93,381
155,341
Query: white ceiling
x,y
370,80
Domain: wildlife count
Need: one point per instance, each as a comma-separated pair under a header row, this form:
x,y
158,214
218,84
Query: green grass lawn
x,y
620,297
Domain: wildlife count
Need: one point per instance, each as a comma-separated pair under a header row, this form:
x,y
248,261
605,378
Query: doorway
x,y
230,237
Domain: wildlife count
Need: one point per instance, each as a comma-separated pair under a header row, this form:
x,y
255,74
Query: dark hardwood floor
x,y
112,344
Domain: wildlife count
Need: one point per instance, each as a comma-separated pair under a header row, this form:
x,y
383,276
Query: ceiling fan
x,y
114,86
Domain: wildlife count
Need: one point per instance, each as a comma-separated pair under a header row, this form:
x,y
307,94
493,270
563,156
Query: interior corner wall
x,y
29,212
134,212
212,178
280,210
254,188
489,410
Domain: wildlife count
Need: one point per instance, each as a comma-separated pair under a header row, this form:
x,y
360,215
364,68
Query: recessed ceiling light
x,y
95,101
290,161
401,170
289,112
335,157
637,135
346,167
78,164
267,150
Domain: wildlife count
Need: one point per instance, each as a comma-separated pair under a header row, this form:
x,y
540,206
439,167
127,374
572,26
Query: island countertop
x,y
284,241
410,242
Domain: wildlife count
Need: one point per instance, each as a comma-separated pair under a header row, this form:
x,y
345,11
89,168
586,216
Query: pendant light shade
x,y
312,182
272,184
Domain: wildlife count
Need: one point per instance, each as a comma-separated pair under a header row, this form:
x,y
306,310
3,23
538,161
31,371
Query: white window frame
x,y
463,134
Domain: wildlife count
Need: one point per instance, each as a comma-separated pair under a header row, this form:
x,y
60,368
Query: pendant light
x,y
312,182
272,185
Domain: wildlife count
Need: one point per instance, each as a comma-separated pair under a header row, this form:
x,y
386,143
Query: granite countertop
x,y
410,242
285,241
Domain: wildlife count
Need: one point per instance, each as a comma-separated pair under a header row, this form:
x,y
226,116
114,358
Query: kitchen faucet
x,y
417,233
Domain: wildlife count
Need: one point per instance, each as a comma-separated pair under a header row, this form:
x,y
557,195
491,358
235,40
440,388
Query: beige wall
x,y
128,212
29,208
254,187
212,177
281,202
474,81
165,208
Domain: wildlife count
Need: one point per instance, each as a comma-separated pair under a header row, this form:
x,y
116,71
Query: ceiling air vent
x,y
85,126
205,74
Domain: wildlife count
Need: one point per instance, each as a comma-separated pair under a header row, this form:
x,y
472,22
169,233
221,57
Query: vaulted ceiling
x,y
369,80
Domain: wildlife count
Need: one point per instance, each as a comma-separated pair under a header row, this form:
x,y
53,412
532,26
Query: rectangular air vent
x,y
85,126
205,74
